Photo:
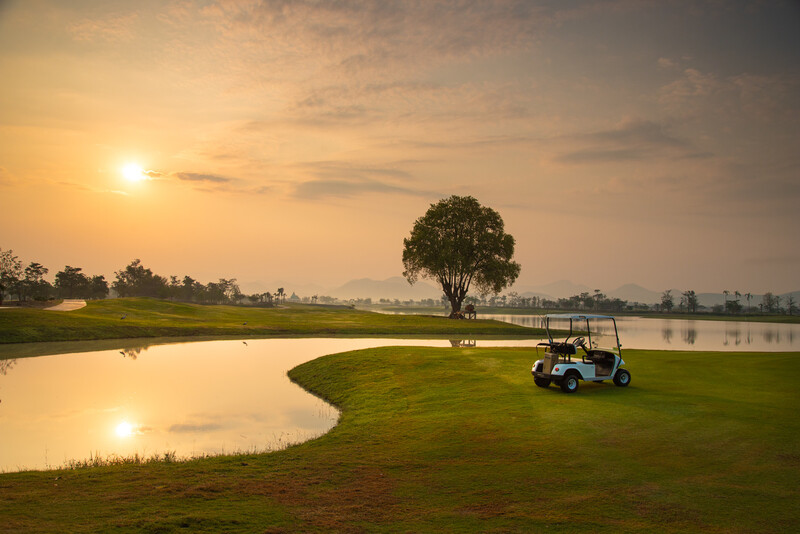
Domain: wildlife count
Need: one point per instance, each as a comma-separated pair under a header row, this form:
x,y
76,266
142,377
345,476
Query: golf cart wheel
x,y
542,382
622,378
569,384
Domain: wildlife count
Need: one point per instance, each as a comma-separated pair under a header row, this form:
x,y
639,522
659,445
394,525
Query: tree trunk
x,y
455,305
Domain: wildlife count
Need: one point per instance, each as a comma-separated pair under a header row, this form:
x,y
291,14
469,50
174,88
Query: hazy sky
x,y
621,141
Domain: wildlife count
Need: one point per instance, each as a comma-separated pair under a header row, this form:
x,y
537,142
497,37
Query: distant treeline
x,y
687,302
135,280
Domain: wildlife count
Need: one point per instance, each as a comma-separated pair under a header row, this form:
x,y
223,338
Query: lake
x,y
688,334
225,396
190,399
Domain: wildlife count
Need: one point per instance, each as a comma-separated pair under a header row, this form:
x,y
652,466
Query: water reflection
x,y
5,367
660,333
666,334
133,353
180,400
689,334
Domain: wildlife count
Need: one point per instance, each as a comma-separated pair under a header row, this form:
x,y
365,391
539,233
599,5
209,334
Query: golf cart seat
x,y
565,349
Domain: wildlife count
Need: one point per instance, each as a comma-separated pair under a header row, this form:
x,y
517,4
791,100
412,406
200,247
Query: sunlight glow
x,y
124,429
133,172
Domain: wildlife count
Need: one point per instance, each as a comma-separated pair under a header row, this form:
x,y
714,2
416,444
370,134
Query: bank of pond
x,y
105,401
411,435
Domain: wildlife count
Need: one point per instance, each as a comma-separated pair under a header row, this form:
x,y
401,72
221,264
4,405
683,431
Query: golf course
x,y
442,439
140,317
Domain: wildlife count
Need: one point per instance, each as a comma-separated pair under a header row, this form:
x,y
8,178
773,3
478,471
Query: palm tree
x,y
726,293
280,294
747,297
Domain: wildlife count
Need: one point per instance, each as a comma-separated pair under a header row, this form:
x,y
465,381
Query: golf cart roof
x,y
576,316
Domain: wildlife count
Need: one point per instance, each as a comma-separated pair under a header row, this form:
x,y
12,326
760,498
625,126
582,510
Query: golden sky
x,y
656,143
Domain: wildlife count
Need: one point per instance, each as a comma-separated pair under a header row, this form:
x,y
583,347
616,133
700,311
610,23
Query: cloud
x,y
631,140
317,189
376,35
334,169
187,428
105,29
198,177
346,180
666,63
766,98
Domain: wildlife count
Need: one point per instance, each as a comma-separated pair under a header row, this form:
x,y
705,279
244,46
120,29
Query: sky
x,y
622,141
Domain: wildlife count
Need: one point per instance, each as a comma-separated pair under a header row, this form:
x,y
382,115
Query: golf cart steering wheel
x,y
579,342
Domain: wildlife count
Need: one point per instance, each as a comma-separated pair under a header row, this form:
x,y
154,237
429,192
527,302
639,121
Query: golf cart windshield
x,y
599,331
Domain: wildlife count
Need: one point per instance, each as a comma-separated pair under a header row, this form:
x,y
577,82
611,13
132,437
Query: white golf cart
x,y
600,358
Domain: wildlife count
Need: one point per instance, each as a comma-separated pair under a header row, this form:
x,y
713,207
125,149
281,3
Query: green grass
x,y
158,318
461,440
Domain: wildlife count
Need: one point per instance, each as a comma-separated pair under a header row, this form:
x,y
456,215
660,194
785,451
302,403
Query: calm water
x,y
681,334
188,398
223,396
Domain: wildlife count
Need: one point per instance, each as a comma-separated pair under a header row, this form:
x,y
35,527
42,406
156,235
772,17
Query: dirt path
x,y
68,305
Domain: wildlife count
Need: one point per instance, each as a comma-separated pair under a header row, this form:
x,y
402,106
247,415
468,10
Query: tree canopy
x,y
459,243
10,271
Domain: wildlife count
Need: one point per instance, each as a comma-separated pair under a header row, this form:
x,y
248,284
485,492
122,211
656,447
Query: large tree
x,y
459,243
138,281
71,283
666,300
34,284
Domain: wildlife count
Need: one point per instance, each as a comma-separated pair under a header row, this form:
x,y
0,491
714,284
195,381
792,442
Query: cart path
x,y
68,305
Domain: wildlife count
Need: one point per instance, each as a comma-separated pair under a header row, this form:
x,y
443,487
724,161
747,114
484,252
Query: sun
x,y
133,172
124,429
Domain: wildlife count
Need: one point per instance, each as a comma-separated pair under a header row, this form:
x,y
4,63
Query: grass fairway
x,y
144,317
461,440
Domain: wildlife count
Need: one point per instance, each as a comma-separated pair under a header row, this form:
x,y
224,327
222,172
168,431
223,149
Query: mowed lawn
x,y
145,317
461,440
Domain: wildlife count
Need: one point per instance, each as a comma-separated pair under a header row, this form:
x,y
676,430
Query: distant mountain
x,y
636,293
395,287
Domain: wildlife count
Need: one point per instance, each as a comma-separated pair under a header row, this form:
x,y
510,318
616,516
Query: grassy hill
x,y
460,440
143,317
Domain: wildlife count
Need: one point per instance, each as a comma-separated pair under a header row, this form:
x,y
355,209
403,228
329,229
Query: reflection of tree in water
x,y
463,342
690,335
666,333
772,335
6,365
734,333
133,352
